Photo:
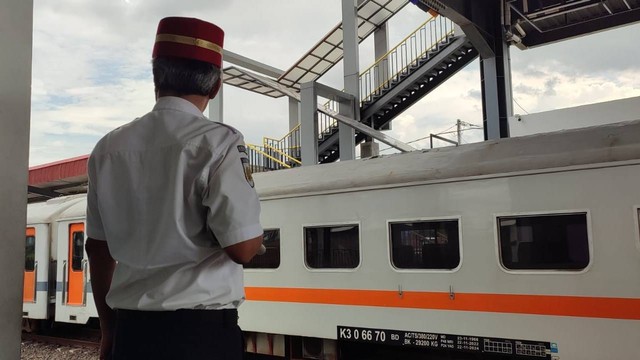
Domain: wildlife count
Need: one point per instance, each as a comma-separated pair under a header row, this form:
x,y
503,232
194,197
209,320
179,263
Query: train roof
x,y
593,145
45,212
75,211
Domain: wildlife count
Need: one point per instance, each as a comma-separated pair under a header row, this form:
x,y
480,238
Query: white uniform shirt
x,y
159,187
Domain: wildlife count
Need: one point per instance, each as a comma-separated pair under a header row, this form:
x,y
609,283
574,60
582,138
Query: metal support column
x,y
380,48
309,123
495,70
294,113
495,77
16,31
346,134
482,23
216,106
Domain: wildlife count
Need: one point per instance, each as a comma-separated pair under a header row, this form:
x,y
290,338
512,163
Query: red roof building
x,y
58,178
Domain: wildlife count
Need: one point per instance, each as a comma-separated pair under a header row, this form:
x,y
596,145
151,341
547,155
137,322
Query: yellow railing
x,y
390,66
261,161
282,153
386,83
296,128
276,154
409,52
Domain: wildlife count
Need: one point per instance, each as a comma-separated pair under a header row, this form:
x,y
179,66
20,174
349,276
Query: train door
x,y
76,266
30,267
35,292
74,299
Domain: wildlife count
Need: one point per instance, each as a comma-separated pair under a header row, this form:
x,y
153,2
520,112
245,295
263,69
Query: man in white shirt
x,y
172,213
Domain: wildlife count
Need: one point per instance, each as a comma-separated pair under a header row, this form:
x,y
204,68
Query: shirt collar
x,y
176,103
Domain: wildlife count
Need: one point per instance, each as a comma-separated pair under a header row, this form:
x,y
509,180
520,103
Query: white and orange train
x,y
523,248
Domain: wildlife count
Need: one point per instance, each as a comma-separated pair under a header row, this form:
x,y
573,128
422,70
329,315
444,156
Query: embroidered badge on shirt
x,y
243,149
247,171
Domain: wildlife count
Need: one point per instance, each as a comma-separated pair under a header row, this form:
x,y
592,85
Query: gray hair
x,y
184,76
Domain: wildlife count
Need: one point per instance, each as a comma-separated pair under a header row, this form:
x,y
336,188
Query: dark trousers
x,y
182,334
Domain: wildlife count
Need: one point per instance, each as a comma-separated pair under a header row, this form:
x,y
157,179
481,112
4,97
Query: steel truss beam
x,y
43,192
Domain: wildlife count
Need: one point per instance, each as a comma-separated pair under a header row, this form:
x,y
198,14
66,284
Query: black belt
x,y
223,317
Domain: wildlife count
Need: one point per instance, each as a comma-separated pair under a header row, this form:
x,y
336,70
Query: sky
x,y
92,69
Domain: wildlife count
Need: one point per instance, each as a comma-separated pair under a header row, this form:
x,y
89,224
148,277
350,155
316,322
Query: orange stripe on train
x,y
578,306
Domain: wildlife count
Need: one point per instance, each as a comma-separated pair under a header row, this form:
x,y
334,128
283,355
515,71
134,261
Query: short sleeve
x,y
95,229
233,204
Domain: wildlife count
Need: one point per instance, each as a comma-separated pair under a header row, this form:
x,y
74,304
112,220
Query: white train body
x,y
483,298
39,294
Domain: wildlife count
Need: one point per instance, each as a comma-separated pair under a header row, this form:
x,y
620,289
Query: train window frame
x,y
265,269
457,218
496,235
332,224
31,268
72,261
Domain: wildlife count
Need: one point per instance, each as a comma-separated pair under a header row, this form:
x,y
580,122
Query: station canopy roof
x,y
541,22
59,178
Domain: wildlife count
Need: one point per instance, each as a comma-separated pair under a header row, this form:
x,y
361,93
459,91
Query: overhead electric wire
x,y
446,131
520,106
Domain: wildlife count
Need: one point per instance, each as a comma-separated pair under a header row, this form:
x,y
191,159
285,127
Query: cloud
x,y
92,72
611,50
548,89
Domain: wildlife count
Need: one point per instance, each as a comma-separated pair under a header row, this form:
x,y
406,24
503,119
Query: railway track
x,y
61,341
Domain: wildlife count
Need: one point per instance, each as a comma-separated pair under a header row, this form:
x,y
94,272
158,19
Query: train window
x,y
77,253
425,244
271,258
544,242
332,247
30,253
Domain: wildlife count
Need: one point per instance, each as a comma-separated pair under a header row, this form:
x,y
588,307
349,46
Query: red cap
x,y
189,38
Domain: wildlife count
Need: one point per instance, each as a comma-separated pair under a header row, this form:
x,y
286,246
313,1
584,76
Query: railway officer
x,y
172,213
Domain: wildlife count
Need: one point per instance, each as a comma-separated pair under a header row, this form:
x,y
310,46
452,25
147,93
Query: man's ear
x,y
215,89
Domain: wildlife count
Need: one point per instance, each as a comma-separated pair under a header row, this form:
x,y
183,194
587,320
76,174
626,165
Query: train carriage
x,y
523,248
520,248
41,256
74,300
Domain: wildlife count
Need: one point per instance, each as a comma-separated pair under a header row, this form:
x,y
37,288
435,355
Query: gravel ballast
x,y
35,350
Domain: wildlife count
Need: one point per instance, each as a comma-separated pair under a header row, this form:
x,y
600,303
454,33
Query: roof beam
x,y
251,64
260,80
378,135
43,192
627,17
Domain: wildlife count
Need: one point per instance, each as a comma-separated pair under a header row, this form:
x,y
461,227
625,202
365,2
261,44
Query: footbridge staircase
x,y
422,61
412,69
